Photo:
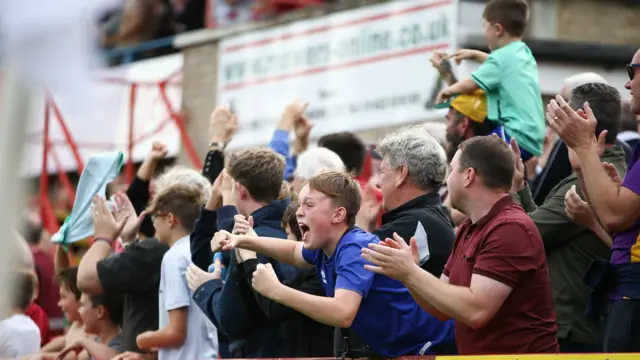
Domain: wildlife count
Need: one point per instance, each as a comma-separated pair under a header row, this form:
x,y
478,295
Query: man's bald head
x,y
580,79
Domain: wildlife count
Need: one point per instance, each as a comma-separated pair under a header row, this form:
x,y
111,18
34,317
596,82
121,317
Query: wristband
x,y
109,241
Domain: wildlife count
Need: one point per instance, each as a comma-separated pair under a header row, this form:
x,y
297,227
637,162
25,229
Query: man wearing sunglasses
x,y
616,203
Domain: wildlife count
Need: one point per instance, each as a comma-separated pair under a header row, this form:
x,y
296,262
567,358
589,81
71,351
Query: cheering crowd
x,y
515,234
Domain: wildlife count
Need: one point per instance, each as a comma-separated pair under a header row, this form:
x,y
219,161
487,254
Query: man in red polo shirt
x,y
496,283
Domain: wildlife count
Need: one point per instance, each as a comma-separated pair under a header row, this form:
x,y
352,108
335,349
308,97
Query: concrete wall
x,y
198,93
599,21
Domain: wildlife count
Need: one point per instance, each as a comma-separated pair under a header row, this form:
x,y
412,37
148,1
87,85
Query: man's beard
x,y
453,140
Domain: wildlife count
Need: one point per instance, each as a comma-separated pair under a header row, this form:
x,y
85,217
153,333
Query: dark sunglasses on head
x,y
630,70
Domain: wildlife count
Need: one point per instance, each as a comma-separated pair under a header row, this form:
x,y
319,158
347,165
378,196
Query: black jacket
x,y
429,221
232,306
304,337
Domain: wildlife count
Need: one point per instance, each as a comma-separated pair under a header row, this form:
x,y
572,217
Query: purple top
x,y
623,242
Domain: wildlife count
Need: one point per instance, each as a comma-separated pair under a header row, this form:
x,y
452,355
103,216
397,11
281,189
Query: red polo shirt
x,y
505,245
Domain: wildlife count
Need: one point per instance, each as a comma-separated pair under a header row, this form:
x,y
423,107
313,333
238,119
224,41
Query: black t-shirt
x,y
135,273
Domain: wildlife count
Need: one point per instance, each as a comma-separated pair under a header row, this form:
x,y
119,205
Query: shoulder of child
x,y
359,238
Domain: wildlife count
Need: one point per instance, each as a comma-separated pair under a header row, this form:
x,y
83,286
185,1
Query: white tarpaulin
x,y
359,69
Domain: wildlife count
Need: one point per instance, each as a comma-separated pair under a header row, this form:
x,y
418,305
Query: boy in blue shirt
x,y
509,77
378,309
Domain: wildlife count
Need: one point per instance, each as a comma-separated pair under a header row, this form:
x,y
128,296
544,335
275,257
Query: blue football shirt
x,y
389,320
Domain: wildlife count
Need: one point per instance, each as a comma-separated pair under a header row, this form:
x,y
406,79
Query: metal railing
x,y
127,55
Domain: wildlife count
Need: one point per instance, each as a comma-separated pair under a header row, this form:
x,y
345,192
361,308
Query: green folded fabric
x,y
100,170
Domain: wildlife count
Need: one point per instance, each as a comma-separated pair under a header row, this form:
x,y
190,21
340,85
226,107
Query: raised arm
x,y
222,126
280,139
138,191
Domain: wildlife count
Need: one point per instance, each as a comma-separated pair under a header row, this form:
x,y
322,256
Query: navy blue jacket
x,y
231,305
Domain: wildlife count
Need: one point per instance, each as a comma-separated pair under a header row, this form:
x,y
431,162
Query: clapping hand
x,y
127,213
575,128
518,181
370,209
578,210
104,224
393,257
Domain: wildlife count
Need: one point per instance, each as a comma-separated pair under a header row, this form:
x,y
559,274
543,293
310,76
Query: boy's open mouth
x,y
304,230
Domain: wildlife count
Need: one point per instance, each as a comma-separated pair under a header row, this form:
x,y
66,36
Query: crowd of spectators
x,y
128,23
517,233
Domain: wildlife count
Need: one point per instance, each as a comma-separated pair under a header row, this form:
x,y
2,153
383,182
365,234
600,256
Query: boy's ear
x,y
102,311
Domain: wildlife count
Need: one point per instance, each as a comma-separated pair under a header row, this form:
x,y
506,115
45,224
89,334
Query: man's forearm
x,y
602,192
325,310
145,172
88,280
54,345
62,260
279,249
428,307
452,301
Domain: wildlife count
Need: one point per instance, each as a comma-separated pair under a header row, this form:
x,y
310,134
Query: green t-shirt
x,y
510,79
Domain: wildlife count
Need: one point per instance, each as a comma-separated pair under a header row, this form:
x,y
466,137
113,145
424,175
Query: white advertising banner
x,y
359,69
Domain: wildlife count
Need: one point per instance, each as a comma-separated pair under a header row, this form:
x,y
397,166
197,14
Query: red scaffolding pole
x,y
49,220
132,111
67,134
184,136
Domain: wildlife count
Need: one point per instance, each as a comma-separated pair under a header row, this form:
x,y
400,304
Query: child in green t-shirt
x,y
509,76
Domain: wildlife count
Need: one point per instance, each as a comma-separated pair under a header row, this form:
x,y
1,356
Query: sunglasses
x,y
631,71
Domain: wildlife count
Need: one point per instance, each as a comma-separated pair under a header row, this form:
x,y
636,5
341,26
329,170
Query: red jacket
x,y
35,312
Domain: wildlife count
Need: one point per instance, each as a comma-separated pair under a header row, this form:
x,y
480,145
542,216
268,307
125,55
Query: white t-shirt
x,y
19,336
202,336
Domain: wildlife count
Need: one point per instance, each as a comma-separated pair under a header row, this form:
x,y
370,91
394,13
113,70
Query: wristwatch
x,y
216,145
